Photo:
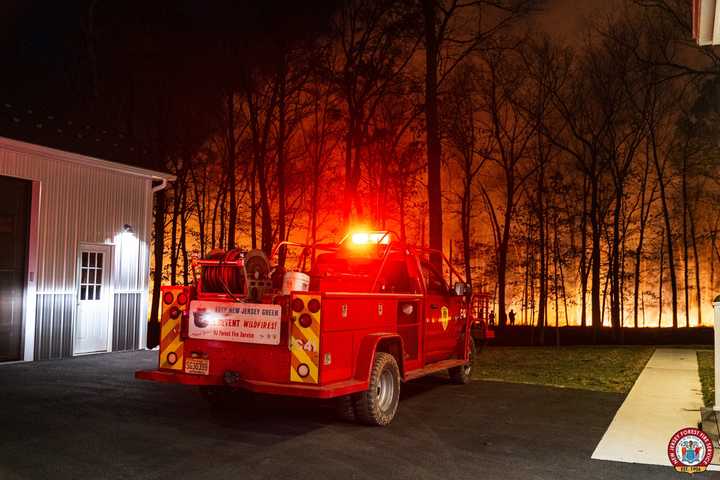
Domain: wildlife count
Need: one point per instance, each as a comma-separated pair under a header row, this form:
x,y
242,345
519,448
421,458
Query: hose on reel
x,y
227,279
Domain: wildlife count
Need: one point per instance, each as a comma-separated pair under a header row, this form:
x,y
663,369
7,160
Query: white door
x,y
92,326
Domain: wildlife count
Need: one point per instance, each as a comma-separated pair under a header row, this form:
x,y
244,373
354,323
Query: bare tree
x,y
512,132
470,149
451,31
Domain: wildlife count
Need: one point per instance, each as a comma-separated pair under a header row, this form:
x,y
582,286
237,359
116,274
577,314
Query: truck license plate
x,y
197,366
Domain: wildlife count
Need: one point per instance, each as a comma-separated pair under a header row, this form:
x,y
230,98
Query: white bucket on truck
x,y
295,282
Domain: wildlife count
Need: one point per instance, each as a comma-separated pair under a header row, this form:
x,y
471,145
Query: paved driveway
x,y
88,418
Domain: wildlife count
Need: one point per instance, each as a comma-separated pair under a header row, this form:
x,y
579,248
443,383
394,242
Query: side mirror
x,y
461,289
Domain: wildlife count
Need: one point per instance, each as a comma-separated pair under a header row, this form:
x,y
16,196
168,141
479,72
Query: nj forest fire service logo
x,y
690,450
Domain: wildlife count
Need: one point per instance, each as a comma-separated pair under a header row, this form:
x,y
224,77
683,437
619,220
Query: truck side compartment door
x,y
396,278
457,325
437,315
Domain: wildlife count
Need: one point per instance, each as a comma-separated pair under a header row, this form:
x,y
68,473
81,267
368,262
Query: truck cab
x,y
371,313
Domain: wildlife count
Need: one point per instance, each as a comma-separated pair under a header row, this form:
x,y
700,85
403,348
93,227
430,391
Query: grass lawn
x,y
602,368
707,376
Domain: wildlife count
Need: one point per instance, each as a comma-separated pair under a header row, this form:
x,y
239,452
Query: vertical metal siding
x,y
53,326
127,319
78,204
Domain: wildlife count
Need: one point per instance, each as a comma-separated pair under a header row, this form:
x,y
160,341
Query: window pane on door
x,y
91,275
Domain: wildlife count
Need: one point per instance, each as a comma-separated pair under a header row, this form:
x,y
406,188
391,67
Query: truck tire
x,y
345,408
462,374
379,403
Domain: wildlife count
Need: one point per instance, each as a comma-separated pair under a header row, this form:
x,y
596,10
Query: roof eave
x,y
31,148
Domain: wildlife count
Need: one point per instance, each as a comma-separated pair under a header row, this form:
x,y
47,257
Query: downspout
x,y
161,186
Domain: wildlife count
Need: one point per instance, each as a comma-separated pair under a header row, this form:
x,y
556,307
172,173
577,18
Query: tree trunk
x,y
231,165
281,160
253,207
583,258
348,199
526,279
260,136
223,218
641,239
465,224
401,202
153,334
662,276
199,197
668,232
686,248
596,246
555,282
174,250
184,214
434,185
696,259
266,239
213,227
615,291
504,247
542,247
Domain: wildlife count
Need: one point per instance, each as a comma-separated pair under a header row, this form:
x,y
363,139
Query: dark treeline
x,y
574,183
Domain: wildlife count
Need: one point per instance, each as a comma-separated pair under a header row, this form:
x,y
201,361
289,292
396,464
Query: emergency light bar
x,y
365,238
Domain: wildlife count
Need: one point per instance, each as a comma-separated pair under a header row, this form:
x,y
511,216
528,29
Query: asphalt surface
x,y
87,418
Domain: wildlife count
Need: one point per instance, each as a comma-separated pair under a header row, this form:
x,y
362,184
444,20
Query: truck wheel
x,y
345,408
379,403
461,375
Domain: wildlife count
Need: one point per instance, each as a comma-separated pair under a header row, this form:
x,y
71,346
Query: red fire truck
x,y
370,313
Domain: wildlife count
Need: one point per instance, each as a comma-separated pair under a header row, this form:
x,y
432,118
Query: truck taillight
x,y
168,298
298,305
305,320
174,312
313,305
182,299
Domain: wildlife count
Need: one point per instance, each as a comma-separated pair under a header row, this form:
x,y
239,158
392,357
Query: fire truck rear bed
x,y
267,368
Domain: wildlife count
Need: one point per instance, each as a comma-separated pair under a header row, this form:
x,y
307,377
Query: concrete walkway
x,y
666,397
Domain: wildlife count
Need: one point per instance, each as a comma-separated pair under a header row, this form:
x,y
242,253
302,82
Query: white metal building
x,y
74,252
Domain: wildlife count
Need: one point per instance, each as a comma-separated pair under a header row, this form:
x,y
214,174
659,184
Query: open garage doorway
x,y
15,198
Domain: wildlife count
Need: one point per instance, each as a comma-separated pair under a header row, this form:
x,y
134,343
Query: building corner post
x,y
716,328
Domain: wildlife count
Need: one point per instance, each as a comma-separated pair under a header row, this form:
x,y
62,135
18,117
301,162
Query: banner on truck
x,y
235,322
